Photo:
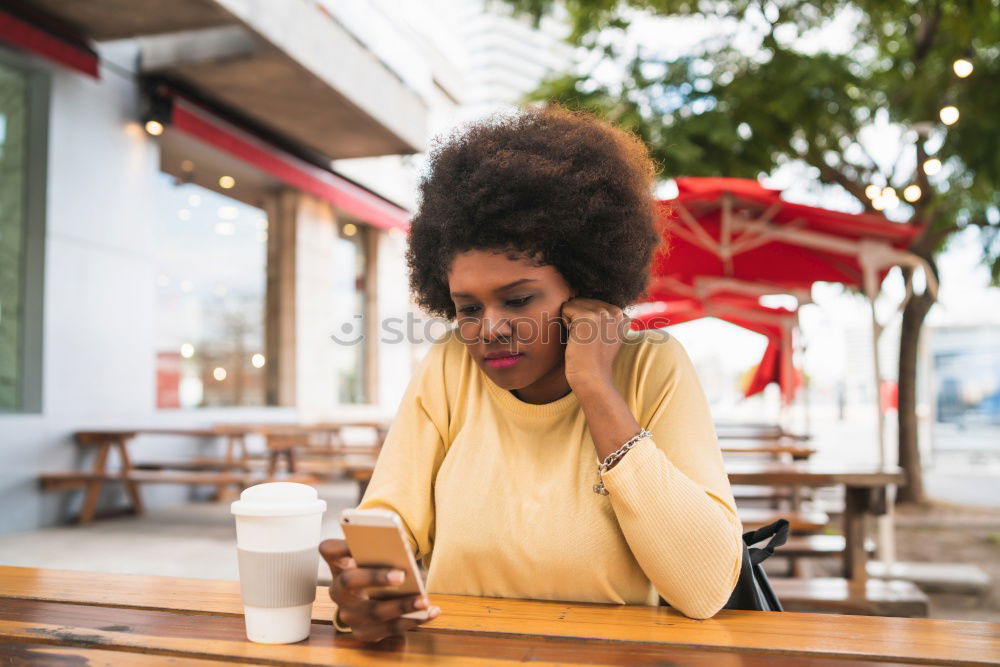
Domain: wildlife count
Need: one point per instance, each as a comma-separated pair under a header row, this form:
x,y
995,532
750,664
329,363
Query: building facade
x,y
176,249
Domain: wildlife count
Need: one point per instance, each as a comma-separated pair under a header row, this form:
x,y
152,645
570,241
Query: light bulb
x,y
962,67
154,127
932,167
912,193
949,115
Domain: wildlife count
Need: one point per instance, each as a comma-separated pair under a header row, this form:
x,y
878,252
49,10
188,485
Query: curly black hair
x,y
561,188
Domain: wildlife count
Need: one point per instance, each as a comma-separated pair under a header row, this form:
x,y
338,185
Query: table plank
x,y
181,635
811,473
15,652
906,639
184,636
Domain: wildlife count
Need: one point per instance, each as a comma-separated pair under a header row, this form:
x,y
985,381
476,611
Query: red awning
x,y
54,45
345,196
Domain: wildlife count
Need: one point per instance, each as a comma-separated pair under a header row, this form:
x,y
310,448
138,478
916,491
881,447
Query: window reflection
x,y
350,298
211,275
13,102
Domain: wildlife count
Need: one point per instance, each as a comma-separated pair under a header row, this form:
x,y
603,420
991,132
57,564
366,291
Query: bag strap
x,y
777,531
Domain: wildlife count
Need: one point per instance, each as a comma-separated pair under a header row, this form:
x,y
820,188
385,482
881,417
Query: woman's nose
x,y
495,326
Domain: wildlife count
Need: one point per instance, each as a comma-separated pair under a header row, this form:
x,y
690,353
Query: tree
x,y
723,110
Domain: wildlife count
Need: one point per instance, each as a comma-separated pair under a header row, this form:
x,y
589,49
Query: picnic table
x,y
232,471
59,616
864,495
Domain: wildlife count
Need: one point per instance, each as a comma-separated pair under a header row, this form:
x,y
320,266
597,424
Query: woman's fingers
x,y
357,579
336,554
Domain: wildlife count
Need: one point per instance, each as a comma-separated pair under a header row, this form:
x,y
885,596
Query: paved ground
x,y
193,540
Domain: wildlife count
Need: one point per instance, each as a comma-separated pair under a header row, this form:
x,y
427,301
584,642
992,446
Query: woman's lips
x,y
504,362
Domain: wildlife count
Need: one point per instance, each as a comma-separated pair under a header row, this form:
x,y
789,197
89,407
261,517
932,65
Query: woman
x,y
533,233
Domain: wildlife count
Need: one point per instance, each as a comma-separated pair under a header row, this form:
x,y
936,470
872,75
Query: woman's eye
x,y
468,310
519,302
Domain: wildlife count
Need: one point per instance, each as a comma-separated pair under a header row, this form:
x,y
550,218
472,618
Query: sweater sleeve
x,y
403,479
670,493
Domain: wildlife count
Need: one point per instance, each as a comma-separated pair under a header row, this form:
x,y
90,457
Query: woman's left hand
x,y
596,331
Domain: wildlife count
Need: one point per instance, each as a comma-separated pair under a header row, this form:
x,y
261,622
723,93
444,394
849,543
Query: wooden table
x,y
730,430
864,495
48,615
775,447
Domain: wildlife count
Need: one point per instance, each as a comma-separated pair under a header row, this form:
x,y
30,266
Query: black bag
x,y
753,591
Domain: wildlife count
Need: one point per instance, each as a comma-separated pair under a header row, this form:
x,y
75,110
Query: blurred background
x,y
204,204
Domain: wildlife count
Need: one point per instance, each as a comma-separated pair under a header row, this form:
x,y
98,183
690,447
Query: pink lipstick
x,y
503,361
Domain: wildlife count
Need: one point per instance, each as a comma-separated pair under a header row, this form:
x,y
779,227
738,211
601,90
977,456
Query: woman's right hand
x,y
370,620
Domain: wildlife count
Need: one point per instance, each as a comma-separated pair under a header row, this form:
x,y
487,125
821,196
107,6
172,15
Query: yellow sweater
x,y
496,494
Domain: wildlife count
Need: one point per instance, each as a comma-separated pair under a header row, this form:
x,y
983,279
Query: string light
x,y
154,127
873,191
226,182
889,193
949,114
257,360
350,229
219,373
912,193
962,68
932,167
187,350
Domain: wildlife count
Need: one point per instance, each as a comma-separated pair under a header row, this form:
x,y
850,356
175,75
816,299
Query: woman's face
x,y
508,315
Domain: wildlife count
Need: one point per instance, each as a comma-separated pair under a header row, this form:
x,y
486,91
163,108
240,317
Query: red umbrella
x,y
736,228
775,323
732,237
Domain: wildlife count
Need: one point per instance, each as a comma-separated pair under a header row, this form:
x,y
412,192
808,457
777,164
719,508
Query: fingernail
x,y
396,577
421,603
435,612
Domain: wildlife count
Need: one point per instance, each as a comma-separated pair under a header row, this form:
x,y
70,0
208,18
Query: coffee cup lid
x,y
278,499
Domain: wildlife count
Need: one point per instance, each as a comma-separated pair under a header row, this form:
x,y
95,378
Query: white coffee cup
x,y
277,537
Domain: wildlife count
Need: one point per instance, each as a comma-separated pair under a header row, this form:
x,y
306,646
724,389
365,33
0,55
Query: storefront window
x,y
350,297
210,280
13,131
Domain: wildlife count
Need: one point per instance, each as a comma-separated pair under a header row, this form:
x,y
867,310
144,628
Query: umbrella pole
x,y
885,523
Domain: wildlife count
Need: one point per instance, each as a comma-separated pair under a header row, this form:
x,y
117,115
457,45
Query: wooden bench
x,y
772,496
874,597
801,522
803,547
818,546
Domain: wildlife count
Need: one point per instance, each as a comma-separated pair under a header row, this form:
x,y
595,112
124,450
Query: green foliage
x,y
723,111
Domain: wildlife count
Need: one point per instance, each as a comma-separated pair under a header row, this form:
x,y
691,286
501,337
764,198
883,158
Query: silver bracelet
x,y
615,456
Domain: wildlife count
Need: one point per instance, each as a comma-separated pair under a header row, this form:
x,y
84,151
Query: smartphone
x,y
376,539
